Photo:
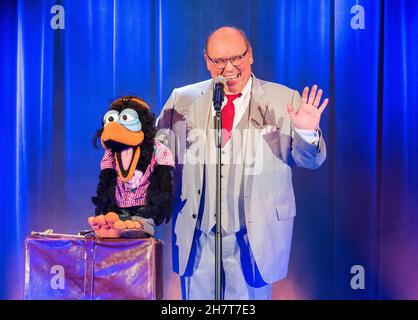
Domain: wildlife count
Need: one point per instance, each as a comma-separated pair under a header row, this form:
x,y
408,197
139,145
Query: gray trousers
x,y
241,278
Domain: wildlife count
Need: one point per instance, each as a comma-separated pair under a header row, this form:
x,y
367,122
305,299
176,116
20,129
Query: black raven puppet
x,y
136,182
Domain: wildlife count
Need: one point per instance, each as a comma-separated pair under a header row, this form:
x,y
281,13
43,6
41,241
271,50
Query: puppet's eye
x,y
128,115
111,116
130,120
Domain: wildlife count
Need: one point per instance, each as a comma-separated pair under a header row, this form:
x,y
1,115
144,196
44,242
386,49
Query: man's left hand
x,y
309,113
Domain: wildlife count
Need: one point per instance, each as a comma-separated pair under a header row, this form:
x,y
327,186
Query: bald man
x,y
267,129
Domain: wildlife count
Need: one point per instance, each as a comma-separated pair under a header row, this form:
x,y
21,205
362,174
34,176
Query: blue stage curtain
x,y
359,208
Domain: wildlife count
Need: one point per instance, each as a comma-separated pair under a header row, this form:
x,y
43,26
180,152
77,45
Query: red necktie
x,y
228,113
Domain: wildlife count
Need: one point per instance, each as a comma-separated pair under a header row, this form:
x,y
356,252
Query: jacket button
x,y
194,216
198,191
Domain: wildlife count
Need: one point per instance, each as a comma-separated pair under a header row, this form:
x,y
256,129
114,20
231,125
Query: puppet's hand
x,y
103,225
110,226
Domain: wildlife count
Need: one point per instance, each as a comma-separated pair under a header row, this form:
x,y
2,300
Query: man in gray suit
x,y
267,129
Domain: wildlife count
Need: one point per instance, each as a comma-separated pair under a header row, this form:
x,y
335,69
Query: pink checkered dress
x,y
125,197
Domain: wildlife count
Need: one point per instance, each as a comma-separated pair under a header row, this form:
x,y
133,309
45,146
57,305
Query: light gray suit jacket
x,y
271,150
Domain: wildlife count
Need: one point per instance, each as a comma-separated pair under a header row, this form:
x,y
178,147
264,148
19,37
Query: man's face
x,y
224,44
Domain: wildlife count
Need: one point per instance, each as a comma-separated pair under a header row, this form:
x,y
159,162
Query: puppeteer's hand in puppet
x,y
135,185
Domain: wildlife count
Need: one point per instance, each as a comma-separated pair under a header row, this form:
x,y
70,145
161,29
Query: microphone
x,y
218,92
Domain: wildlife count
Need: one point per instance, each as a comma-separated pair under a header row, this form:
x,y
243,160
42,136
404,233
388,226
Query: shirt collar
x,y
247,87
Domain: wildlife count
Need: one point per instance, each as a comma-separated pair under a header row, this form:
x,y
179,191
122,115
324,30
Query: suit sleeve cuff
x,y
309,136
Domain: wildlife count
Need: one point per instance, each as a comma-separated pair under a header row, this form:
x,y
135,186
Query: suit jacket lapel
x,y
199,119
201,110
258,105
257,110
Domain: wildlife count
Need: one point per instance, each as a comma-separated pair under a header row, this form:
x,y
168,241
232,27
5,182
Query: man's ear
x,y
207,62
250,55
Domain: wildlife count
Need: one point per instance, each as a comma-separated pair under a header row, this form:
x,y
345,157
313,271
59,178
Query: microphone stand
x,y
217,104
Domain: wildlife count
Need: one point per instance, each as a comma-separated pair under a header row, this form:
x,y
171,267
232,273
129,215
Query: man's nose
x,y
229,66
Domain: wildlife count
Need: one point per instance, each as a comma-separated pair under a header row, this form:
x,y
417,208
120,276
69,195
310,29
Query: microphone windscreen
x,y
220,79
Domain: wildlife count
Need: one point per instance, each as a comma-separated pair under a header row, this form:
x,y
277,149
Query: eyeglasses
x,y
221,63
